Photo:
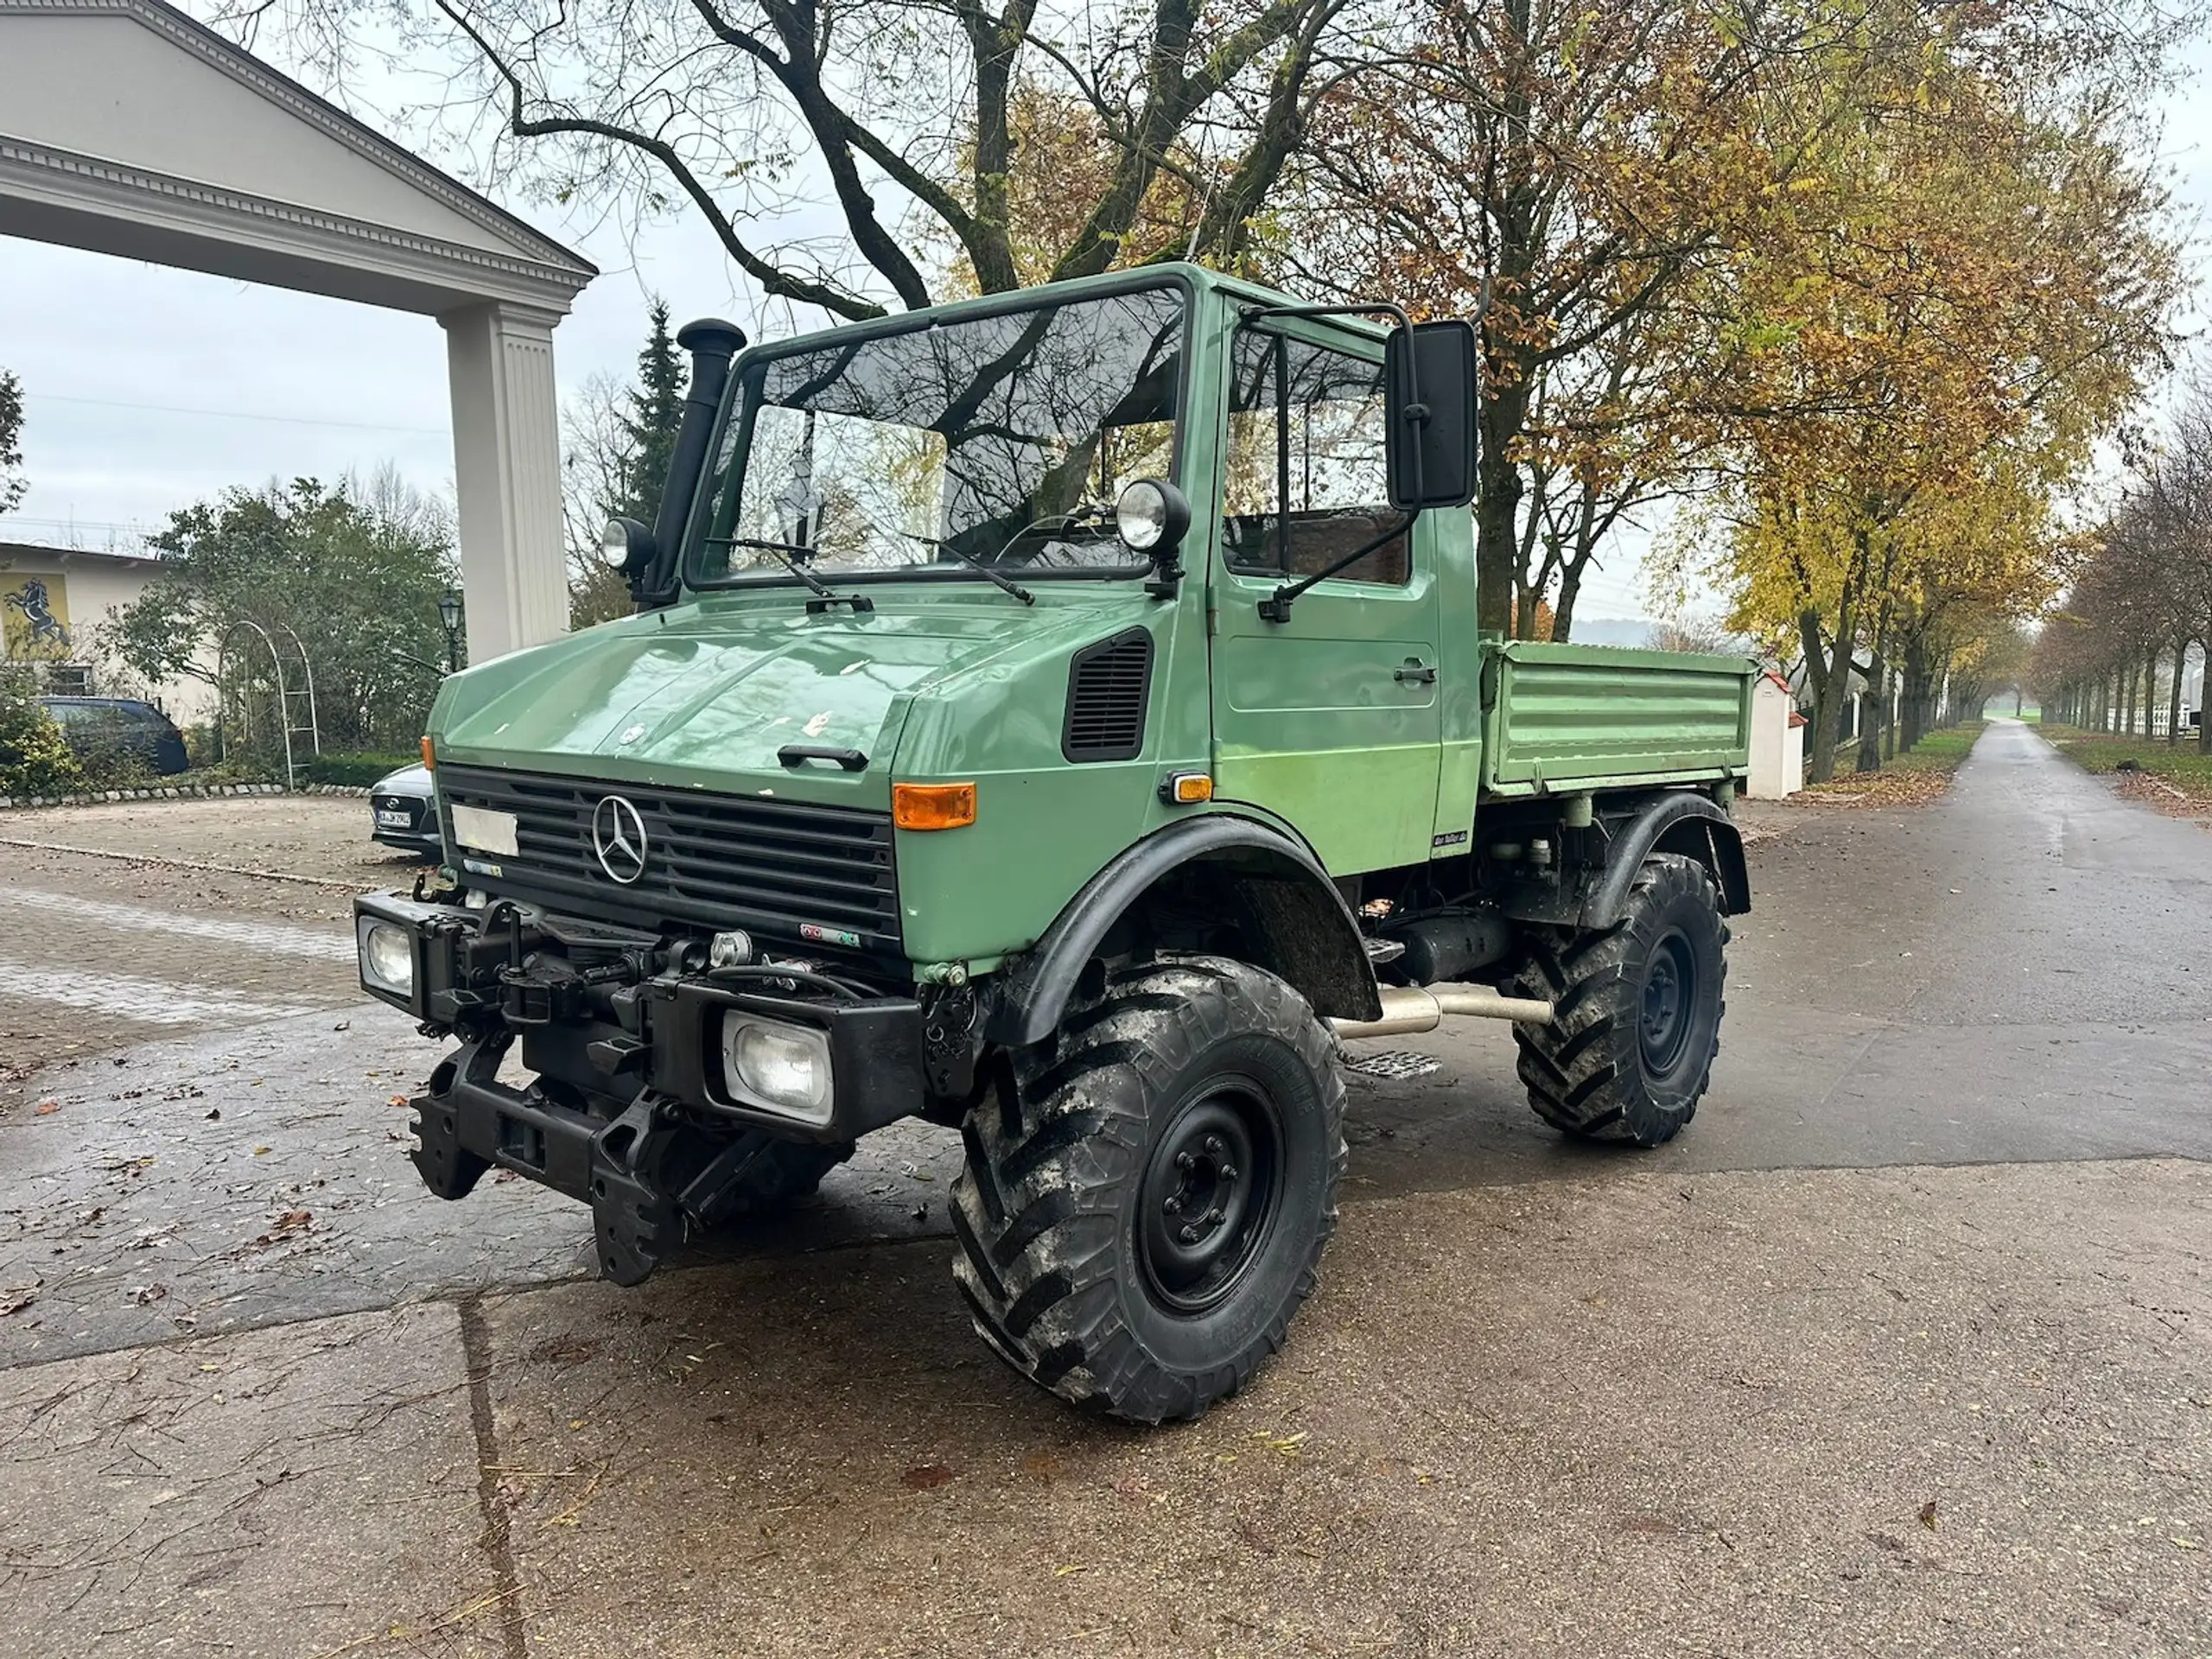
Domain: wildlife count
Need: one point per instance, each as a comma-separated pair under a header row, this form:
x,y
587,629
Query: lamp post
x,y
449,613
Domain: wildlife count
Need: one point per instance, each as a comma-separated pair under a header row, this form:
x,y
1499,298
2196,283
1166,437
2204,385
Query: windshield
x,y
995,440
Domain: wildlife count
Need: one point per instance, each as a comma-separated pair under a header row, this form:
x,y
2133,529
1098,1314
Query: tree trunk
x,y
1874,705
1916,696
1497,507
1830,675
2173,694
1827,676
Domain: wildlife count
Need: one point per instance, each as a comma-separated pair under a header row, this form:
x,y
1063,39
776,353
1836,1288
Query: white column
x,y
507,444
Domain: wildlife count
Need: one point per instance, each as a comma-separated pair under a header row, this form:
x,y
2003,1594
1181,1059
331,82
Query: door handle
x,y
1416,672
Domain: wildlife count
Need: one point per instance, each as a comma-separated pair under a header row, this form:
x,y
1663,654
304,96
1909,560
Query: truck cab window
x,y
1305,479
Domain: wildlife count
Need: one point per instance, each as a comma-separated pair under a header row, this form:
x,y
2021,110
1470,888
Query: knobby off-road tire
x,y
1637,1011
1145,1198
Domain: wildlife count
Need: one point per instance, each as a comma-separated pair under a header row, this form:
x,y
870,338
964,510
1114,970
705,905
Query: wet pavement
x,y
259,1391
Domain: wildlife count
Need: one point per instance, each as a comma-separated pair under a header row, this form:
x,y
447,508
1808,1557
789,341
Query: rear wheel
x,y
1145,1201
1636,1011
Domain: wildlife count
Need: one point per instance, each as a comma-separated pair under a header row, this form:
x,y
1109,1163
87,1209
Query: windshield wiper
x,y
795,557
1005,585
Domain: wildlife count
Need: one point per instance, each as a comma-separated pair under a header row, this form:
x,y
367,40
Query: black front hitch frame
x,y
468,1121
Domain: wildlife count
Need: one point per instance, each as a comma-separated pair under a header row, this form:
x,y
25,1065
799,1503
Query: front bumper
x,y
408,822
609,1014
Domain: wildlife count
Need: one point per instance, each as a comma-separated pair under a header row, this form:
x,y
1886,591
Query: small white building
x,y
1778,741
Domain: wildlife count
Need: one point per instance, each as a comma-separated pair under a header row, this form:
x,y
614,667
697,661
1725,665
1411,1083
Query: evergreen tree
x,y
656,409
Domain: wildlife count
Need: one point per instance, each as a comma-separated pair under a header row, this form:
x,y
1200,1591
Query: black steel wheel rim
x,y
1669,1005
1212,1189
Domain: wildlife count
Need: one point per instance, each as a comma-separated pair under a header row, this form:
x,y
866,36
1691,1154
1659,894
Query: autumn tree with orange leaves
x,y
1981,295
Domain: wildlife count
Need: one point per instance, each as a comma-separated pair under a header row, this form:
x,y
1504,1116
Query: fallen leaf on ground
x,y
47,1107
1927,1514
925,1476
15,1302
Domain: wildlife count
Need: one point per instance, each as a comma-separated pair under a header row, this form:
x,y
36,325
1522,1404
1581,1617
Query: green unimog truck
x,y
1060,716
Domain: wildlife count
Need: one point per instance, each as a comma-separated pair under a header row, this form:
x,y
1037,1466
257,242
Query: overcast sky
x,y
149,388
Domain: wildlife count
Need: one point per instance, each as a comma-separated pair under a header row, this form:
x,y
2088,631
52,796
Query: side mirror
x,y
1429,406
625,546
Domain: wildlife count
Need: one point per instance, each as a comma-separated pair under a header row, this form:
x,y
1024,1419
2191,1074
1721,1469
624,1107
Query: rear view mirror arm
x,y
1276,607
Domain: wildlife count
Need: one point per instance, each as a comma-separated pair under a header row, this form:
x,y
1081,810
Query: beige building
x,y
54,602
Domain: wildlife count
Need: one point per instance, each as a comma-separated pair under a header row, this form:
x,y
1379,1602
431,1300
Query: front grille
x,y
782,869
409,804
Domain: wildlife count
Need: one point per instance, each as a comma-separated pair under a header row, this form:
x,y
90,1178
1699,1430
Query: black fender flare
x,y
1308,932
1680,821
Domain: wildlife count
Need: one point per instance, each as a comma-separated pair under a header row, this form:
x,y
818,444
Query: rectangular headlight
x,y
387,954
778,1067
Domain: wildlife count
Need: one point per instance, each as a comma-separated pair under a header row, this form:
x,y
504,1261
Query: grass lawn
x,y
1918,775
2180,765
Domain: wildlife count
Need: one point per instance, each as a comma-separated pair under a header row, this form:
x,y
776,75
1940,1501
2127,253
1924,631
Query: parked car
x,y
403,813
96,728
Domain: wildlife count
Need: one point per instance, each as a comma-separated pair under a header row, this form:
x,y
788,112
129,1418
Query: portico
x,y
127,128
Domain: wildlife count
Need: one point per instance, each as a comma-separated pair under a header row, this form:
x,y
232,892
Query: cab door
x,y
1329,718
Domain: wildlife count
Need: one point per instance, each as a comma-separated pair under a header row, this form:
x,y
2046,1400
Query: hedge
x,y
354,770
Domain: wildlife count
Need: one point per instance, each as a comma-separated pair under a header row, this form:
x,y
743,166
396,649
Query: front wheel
x,y
1636,1011
1144,1201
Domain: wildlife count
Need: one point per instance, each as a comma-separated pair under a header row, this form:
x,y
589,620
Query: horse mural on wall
x,y
43,627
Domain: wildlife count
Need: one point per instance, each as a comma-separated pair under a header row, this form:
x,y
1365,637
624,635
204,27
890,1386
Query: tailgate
x,y
1573,717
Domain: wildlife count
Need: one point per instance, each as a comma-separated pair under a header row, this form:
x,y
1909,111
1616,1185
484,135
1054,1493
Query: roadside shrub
x,y
353,771
203,745
34,758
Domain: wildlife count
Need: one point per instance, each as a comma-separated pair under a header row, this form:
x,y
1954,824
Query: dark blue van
x,y
98,727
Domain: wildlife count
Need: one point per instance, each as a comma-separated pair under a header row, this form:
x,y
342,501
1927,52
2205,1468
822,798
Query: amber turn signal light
x,y
1185,788
429,763
933,806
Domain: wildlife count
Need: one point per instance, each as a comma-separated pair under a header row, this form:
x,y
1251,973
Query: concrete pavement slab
x,y
1962,1411
294,1491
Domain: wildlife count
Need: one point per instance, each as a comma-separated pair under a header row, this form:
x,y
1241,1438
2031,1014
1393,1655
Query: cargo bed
x,y
1558,719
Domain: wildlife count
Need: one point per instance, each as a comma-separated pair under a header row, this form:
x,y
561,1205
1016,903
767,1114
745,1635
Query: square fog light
x,y
778,1068
387,954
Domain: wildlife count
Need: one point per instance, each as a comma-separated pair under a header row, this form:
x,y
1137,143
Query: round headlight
x,y
614,544
389,955
1140,515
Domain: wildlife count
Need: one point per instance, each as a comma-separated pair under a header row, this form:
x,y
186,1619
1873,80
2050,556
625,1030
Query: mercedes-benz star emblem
x,y
618,836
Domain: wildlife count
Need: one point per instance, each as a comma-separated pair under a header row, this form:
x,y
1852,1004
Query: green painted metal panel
x,y
1578,717
1311,722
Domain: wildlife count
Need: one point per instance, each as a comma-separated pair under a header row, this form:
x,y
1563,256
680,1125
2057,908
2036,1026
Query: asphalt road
x,y
1902,1347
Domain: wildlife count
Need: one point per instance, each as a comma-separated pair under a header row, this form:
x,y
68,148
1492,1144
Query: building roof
x,y
128,127
13,554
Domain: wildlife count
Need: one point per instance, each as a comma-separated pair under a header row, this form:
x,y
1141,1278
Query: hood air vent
x,y
1110,684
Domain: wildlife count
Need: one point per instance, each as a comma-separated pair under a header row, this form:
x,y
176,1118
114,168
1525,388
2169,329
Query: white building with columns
x,y
127,128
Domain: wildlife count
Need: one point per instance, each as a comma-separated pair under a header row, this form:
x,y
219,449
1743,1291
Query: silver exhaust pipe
x,y
1409,1010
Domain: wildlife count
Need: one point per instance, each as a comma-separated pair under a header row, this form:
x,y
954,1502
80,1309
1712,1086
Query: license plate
x,y
483,830
394,817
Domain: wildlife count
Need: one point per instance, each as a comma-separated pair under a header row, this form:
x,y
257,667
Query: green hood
x,y
704,694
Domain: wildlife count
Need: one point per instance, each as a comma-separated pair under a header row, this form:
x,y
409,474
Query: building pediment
x,y
131,110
